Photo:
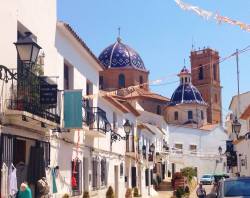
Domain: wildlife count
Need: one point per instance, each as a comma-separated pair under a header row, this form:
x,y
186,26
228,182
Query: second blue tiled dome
x,y
121,55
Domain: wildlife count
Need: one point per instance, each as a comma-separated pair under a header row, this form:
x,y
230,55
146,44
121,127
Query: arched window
x,y
202,115
201,72
121,81
158,110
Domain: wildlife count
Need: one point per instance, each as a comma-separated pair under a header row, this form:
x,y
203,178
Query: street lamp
x,y
27,49
127,127
236,127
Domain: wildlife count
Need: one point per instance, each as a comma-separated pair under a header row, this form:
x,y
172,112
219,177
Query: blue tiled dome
x,y
120,55
186,94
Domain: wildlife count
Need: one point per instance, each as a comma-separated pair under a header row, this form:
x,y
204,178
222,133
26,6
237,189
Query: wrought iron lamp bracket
x,y
116,137
6,74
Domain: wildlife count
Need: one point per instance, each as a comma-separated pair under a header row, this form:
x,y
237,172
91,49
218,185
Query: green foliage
x,y
110,193
188,172
86,195
136,192
180,192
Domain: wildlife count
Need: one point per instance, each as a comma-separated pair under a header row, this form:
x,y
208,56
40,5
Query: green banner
x,y
73,109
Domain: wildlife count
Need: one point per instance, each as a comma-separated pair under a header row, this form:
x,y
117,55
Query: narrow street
x,y
209,191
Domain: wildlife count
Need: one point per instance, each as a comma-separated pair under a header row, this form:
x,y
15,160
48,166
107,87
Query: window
x,y
68,76
146,177
133,177
190,115
141,81
101,82
193,148
176,115
201,73
178,148
215,71
121,169
115,121
77,174
202,115
103,172
186,80
94,173
158,110
121,81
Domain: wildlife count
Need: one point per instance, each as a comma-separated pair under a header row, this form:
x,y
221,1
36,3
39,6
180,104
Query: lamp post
x,y
27,49
236,126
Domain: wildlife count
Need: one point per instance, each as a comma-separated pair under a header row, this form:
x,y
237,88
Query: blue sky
x,y
162,34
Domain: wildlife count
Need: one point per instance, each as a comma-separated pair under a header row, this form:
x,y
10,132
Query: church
x,y
192,116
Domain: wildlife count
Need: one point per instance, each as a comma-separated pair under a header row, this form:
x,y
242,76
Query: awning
x,y
154,129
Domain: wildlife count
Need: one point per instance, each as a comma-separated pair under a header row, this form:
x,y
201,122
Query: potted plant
x,y
110,193
128,193
86,195
136,192
180,192
65,195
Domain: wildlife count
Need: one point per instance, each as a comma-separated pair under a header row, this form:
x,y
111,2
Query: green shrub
x,y
110,193
180,192
189,173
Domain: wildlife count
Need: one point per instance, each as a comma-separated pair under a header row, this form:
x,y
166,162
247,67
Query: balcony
x,y
22,100
94,121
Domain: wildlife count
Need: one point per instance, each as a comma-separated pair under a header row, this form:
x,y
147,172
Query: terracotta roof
x,y
81,42
208,127
246,114
124,106
145,94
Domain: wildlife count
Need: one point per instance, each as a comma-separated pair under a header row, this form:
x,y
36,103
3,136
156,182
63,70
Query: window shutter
x,y
147,177
133,173
46,149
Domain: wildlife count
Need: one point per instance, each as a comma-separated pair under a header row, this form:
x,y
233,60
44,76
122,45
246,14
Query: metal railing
x,y
23,93
95,118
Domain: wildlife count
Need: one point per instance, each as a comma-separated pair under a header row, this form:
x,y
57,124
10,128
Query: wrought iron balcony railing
x,y
95,118
23,93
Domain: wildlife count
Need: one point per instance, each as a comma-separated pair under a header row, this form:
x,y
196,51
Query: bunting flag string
x,y
207,15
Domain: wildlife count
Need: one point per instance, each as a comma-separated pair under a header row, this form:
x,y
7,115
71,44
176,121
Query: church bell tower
x,y
206,77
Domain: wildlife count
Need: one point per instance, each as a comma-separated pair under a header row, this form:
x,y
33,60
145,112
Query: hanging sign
x,y
73,109
48,94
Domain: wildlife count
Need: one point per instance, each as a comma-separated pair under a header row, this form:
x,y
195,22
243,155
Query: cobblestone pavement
x,y
164,194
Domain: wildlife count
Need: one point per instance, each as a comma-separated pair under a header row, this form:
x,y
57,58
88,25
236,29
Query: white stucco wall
x,y
207,143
